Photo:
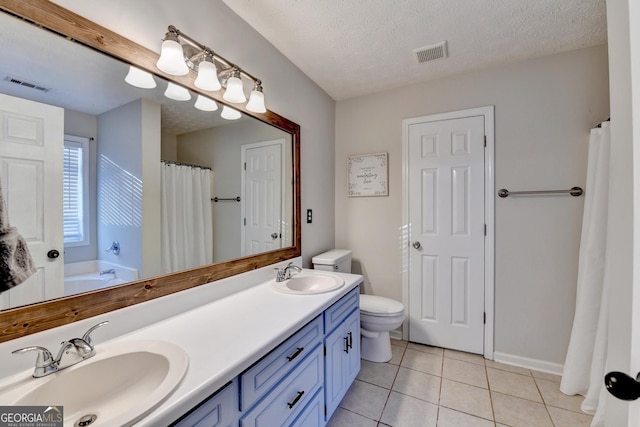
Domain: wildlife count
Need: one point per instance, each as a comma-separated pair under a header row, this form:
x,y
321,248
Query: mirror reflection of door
x,y
262,201
30,133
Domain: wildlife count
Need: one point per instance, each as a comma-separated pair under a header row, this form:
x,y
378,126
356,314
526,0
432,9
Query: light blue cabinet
x,y
300,383
342,362
219,410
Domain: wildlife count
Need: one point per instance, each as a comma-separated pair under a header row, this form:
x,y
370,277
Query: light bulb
x,y
177,93
230,113
171,59
205,104
140,78
207,76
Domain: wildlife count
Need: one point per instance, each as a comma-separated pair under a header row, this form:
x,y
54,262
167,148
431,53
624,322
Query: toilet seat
x,y
380,306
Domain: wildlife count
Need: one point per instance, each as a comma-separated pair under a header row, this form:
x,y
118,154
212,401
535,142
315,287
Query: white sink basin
x,y
309,283
122,383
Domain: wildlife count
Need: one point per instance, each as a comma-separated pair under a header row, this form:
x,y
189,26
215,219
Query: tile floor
x,y
426,386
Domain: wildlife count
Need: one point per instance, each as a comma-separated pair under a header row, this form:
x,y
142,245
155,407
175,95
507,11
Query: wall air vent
x,y
431,52
20,82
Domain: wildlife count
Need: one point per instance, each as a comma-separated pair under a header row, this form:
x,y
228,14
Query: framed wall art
x,y
368,175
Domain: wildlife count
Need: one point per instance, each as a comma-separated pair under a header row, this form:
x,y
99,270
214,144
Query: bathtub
x,y
85,276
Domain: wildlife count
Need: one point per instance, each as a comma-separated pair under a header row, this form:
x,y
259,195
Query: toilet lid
x,y
380,306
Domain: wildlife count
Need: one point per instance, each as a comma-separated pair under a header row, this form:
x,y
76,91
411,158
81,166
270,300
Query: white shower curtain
x,y
585,362
187,231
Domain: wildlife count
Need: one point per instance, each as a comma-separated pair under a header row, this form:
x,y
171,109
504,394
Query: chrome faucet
x,y
283,274
71,352
109,271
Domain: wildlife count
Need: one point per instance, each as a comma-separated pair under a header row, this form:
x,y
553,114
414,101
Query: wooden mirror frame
x,y
21,321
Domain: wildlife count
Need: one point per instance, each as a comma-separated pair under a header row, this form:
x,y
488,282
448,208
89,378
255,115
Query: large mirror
x,y
136,146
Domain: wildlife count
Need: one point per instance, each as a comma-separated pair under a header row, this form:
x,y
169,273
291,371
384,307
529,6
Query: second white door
x,y
262,197
446,215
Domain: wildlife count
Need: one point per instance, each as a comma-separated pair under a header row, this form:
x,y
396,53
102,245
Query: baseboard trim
x,y
396,334
526,362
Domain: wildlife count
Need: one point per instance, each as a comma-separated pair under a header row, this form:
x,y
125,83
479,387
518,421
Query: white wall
x,y
288,91
128,153
544,109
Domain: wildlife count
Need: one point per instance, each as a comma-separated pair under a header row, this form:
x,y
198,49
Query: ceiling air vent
x,y
431,52
24,83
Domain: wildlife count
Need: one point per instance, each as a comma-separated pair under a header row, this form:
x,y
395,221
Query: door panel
x,y
262,199
31,150
446,214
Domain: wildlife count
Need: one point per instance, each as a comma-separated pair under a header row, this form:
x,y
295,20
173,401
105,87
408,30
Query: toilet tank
x,y
333,260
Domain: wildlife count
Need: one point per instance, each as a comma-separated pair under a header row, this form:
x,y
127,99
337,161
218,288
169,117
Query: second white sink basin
x,y
122,383
309,283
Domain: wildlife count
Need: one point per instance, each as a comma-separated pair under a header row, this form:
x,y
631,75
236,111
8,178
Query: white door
x,y
262,197
447,232
31,163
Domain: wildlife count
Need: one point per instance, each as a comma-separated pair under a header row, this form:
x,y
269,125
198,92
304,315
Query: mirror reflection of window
x,y
76,191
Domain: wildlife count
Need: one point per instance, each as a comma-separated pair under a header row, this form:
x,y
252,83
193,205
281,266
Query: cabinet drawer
x,y
313,413
288,399
219,410
266,373
339,311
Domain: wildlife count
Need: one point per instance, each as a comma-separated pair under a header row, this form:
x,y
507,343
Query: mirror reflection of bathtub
x,y
89,276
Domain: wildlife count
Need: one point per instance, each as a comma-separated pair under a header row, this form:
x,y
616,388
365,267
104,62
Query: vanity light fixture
x,y
205,104
181,53
177,93
230,113
140,78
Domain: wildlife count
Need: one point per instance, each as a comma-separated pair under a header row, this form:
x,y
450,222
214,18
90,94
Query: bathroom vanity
x,y
255,356
300,382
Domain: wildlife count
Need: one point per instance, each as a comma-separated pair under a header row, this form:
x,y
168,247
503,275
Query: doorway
x,y
448,216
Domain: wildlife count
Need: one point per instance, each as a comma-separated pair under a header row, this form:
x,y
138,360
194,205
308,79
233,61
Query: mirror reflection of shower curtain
x,y
187,232
584,366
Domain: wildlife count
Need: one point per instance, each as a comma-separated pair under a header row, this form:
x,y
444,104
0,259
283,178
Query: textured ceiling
x,y
356,47
81,79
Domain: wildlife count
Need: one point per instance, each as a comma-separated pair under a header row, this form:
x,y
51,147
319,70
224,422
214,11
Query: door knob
x,y
53,254
416,245
622,385
274,235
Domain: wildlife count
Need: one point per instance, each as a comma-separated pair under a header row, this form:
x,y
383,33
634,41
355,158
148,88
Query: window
x,y
76,191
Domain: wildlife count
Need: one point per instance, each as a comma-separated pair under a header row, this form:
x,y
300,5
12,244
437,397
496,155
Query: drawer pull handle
x,y
294,401
296,354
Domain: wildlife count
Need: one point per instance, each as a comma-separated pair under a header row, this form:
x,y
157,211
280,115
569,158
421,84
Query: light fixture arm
x,y
229,66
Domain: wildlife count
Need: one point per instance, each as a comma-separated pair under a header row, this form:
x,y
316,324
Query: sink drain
x,y
86,420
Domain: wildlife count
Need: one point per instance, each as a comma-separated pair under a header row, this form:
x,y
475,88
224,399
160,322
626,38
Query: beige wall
x,y
544,109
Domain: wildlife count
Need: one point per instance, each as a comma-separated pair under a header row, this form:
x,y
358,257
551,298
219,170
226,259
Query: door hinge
x,y
485,229
325,351
485,144
484,317
485,141
325,410
244,221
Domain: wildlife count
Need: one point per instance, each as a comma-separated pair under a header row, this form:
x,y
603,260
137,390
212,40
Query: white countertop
x,y
225,337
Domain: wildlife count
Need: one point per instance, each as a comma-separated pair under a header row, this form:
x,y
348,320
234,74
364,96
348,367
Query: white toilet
x,y
378,315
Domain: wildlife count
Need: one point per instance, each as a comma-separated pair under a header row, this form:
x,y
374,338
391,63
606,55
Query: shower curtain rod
x,y
184,164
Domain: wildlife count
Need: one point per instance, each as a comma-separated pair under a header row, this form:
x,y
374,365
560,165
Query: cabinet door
x,y
342,361
219,410
352,363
